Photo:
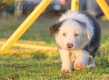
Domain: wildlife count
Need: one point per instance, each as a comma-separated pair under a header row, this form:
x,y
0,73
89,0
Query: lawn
x,y
46,66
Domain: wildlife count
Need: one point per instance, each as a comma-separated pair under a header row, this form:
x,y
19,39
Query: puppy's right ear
x,y
55,28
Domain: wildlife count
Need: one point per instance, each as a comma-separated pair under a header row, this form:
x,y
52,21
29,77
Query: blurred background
x,y
26,6
14,12
39,65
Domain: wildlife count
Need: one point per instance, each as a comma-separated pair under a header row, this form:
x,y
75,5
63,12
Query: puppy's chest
x,y
75,53
72,55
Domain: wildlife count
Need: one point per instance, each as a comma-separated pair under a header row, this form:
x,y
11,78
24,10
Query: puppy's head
x,y
70,34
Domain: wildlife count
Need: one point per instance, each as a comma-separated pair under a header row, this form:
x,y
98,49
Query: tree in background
x,y
4,8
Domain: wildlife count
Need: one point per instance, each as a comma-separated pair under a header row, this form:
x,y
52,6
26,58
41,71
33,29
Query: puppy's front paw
x,y
79,66
66,70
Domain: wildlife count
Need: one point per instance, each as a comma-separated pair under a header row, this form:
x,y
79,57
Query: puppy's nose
x,y
69,45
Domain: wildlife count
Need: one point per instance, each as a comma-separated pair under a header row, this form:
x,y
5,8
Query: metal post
x,y
104,7
74,5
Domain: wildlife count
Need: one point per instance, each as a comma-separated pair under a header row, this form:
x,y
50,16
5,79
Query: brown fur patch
x,y
55,28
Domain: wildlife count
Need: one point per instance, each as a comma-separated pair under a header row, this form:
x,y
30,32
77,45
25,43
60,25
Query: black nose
x,y
69,45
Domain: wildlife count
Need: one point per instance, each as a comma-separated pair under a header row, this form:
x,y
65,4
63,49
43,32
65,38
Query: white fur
x,y
70,27
80,17
66,60
81,57
75,56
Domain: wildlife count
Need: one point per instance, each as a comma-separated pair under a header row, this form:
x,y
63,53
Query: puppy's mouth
x,y
69,48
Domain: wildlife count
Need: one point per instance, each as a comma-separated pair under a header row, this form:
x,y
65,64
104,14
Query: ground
x,y
46,66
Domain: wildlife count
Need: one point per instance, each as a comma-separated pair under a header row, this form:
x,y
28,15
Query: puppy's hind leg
x,y
91,62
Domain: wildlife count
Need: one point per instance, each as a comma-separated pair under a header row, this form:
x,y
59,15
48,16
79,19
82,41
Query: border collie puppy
x,y
78,37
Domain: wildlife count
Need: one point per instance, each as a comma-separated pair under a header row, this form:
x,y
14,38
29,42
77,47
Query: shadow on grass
x,y
40,56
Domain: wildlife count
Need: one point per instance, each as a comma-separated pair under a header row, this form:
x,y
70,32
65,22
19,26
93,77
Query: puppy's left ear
x,y
88,32
55,28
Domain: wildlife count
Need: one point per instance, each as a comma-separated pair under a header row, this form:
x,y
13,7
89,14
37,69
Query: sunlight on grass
x,y
45,66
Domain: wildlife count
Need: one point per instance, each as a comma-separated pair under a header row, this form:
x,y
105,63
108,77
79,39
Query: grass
x,y
44,66
39,66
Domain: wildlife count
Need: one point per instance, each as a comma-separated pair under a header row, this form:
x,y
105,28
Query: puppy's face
x,y
71,35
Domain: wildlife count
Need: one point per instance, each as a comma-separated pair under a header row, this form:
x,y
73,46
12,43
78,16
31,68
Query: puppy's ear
x,y
55,28
87,31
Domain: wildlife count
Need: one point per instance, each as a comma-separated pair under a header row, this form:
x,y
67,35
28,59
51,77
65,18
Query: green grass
x,y
43,66
39,66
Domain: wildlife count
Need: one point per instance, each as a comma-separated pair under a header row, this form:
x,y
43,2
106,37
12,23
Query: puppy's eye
x,y
76,35
64,34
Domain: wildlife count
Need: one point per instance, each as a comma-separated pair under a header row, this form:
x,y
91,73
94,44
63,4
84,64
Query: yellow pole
x,y
25,25
104,7
74,5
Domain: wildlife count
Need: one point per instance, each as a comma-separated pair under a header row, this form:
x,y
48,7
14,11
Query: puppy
x,y
78,37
